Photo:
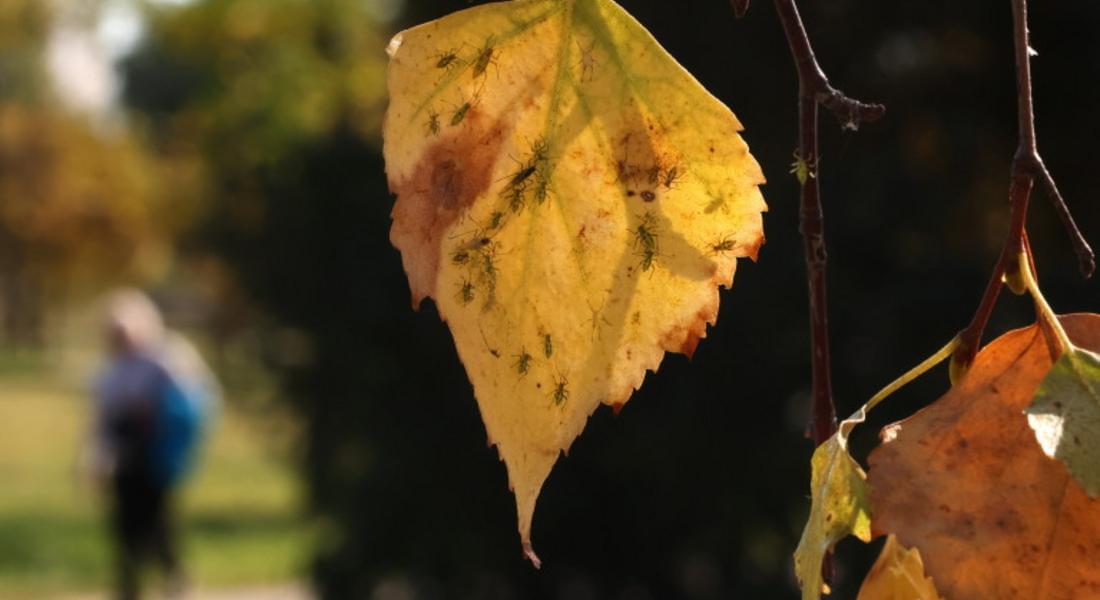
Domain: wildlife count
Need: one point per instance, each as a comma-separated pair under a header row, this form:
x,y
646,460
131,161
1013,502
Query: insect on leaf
x,y
1065,415
576,186
965,482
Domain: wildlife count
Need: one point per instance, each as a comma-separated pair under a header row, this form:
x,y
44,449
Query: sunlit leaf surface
x,y
572,199
965,482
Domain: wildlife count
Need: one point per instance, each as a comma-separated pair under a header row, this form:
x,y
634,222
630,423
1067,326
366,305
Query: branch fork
x,y
1027,168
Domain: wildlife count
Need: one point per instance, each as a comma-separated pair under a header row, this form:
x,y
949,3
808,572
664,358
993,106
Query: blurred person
x,y
152,398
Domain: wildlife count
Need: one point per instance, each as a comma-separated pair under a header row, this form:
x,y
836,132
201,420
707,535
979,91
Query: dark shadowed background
x,y
253,127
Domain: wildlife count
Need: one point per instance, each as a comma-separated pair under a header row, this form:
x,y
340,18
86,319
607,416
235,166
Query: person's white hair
x,y
131,314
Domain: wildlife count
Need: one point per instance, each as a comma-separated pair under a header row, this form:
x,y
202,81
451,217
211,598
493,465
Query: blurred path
x,y
284,592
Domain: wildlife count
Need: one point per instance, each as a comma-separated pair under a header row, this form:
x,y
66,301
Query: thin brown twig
x,y
814,90
1027,166
812,81
1086,260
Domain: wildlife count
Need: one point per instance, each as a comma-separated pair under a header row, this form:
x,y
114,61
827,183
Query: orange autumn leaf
x,y
965,481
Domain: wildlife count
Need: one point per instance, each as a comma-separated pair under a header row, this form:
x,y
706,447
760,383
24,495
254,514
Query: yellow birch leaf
x,y
572,199
898,574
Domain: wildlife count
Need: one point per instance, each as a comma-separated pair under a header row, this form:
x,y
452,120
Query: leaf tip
x,y
753,252
690,345
529,554
394,45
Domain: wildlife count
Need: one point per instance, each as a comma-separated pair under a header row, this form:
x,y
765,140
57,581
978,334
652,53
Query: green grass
x,y
240,514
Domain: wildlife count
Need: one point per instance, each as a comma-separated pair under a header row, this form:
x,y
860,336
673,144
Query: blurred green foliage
x,y
79,207
23,25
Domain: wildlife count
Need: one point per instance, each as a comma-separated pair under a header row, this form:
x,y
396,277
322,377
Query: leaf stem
x,y
1042,307
925,365
1027,166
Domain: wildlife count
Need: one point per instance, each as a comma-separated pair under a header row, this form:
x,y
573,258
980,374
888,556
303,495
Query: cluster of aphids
x,y
645,242
646,181
478,257
530,180
559,392
448,62
525,359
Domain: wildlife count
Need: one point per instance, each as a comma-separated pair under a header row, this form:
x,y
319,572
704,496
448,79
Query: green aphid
x,y
495,219
671,176
447,60
460,113
521,176
538,156
803,170
645,234
542,189
523,363
460,257
433,123
561,391
516,202
648,257
547,345
466,292
539,151
487,265
723,245
484,59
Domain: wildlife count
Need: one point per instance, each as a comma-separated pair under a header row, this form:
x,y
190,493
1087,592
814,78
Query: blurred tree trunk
x,y
20,296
